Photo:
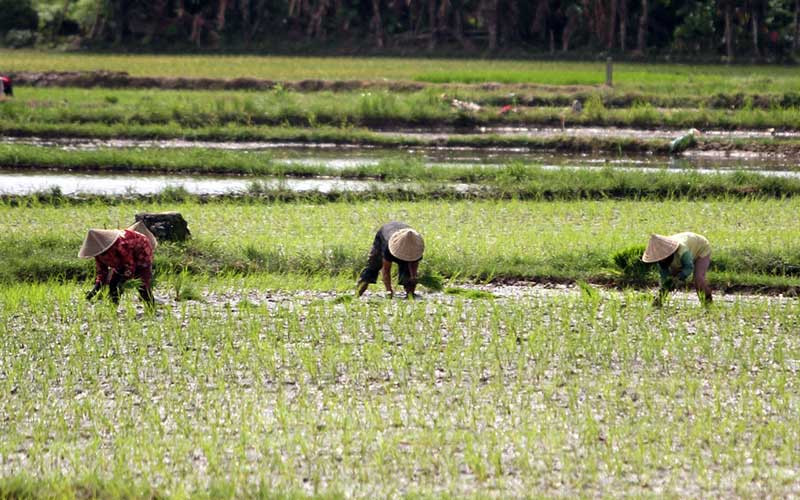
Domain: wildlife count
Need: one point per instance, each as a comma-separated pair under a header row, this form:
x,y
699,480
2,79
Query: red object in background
x,y
506,109
7,86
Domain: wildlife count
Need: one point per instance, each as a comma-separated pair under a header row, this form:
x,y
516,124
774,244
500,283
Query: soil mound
x,y
121,79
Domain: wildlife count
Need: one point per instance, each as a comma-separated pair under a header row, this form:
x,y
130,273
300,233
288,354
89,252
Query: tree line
x,y
732,29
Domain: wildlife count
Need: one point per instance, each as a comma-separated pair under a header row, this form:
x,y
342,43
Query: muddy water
x,y
511,293
339,155
590,132
343,156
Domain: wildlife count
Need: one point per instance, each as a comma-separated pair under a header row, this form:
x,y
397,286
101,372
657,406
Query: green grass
x,y
296,394
658,78
188,110
756,243
593,76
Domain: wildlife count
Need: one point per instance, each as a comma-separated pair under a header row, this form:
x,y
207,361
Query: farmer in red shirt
x,y
120,255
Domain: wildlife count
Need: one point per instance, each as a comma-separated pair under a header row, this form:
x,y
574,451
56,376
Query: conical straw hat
x,y
98,241
406,244
141,228
659,248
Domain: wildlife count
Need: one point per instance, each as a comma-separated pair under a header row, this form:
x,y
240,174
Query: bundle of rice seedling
x,y
629,265
431,280
469,294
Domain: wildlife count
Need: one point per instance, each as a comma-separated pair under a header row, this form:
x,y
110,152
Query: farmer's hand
x,y
91,293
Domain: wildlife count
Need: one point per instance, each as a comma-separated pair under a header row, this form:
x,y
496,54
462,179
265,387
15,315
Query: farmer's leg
x,y
701,285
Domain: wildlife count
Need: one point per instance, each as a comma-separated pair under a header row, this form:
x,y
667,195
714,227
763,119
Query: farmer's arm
x,y
413,267
687,265
666,278
386,274
410,284
101,272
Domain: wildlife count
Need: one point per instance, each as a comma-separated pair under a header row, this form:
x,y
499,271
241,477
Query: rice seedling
x,y
431,280
184,287
255,391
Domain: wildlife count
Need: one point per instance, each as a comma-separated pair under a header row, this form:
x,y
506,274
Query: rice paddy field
x,y
532,363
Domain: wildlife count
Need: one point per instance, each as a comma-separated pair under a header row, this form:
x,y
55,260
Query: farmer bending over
x,y
394,242
679,256
120,255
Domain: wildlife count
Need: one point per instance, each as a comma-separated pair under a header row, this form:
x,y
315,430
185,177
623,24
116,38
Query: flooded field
x,y
533,360
302,391
17,182
342,155
337,157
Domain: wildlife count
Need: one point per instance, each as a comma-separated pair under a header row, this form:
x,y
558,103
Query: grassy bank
x,y
255,392
755,242
431,107
485,94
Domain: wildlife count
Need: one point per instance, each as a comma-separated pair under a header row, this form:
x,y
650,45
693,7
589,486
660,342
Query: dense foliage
x,y
757,29
17,15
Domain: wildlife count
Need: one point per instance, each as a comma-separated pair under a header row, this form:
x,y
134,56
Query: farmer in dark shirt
x,y
394,242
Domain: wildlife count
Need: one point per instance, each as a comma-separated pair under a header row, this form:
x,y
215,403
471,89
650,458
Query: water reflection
x,y
16,182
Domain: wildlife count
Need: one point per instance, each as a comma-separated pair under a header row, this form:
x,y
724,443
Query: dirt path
x,y
121,79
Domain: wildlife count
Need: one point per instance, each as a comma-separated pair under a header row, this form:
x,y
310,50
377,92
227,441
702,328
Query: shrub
x,y
19,38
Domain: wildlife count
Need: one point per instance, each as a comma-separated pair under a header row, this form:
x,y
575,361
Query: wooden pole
x,y
609,73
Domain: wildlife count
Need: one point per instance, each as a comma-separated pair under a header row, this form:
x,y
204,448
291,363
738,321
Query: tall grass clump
x,y
594,109
372,105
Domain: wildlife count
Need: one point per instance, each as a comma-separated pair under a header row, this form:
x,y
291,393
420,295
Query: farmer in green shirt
x,y
678,257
